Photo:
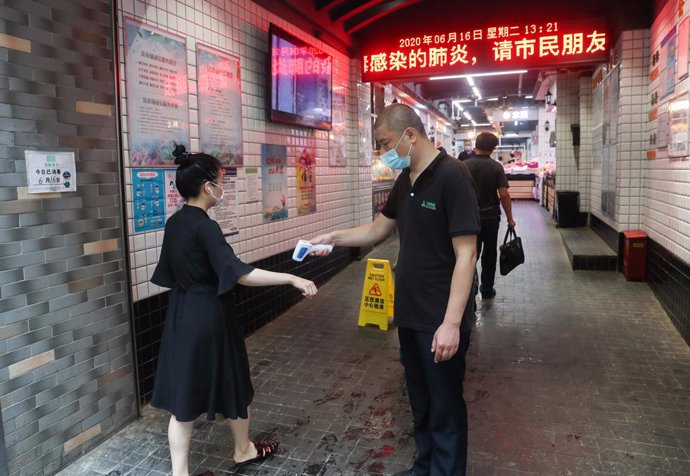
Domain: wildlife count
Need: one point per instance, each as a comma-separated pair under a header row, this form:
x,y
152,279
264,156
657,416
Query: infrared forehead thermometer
x,y
303,248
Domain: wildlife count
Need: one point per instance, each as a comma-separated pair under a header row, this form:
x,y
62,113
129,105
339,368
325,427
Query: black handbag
x,y
512,254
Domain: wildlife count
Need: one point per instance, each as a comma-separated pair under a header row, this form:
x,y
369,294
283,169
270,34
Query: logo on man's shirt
x,y
429,205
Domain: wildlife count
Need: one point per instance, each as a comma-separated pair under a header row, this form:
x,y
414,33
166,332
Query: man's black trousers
x,y
438,406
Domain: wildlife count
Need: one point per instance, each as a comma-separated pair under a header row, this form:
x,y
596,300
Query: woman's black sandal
x,y
264,449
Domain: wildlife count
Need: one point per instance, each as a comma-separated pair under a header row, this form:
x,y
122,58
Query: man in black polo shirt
x,y
434,205
492,186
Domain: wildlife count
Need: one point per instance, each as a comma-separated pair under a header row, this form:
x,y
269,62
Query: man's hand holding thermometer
x,y
304,248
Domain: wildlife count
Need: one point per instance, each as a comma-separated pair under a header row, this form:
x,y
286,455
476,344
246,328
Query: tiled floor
x,y
569,373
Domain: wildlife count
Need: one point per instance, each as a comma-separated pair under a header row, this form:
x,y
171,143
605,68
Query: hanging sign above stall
x,y
487,49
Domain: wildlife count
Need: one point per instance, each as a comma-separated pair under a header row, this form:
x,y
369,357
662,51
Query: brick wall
x,y
66,375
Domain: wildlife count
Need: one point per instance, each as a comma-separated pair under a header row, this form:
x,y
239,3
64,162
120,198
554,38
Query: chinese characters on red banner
x,y
292,60
489,47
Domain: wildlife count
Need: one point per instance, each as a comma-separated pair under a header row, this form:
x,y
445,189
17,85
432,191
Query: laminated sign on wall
x,y
48,172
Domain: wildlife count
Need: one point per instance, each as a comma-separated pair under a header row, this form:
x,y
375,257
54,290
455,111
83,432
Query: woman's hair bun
x,y
180,153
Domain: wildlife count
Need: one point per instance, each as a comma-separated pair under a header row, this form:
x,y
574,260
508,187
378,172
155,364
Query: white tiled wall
x,y
586,159
627,156
240,27
362,92
567,113
633,47
665,203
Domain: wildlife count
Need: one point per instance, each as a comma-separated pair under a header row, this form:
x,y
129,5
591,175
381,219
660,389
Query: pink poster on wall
x,y
683,43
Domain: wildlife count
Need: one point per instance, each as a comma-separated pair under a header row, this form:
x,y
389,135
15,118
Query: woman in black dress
x,y
203,365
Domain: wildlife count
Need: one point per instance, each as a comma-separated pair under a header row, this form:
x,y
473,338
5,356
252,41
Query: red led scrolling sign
x,y
486,49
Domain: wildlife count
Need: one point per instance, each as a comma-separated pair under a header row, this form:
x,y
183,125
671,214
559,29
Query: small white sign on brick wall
x,y
49,172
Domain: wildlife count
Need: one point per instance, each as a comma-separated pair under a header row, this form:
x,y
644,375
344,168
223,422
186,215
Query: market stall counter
x,y
521,177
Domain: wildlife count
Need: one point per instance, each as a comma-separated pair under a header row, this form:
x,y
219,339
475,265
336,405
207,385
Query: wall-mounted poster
x,y
366,144
220,104
49,172
225,213
661,130
668,61
678,111
173,199
148,199
274,182
157,104
683,45
336,142
614,101
305,165
252,176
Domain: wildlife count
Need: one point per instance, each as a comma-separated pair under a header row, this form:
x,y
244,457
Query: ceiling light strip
x,y
477,75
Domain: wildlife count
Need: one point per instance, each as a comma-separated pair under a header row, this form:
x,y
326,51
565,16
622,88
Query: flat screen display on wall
x,y
301,82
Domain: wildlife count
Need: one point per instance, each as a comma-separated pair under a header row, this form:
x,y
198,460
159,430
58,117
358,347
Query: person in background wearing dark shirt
x,y
492,188
434,205
467,151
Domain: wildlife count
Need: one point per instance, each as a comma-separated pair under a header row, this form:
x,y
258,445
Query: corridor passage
x,y
568,373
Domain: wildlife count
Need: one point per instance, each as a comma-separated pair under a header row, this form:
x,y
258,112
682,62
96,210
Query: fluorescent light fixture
x,y
512,134
470,81
420,106
476,92
516,123
529,97
467,115
492,99
464,100
483,124
474,123
478,75
464,125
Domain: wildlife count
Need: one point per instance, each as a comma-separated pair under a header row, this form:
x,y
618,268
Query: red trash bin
x,y
635,254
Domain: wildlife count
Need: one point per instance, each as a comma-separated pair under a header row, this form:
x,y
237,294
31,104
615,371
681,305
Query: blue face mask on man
x,y
393,160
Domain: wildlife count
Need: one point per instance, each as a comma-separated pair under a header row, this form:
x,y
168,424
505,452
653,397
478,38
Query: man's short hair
x,y
486,141
399,117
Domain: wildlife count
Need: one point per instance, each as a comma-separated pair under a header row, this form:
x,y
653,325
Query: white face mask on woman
x,y
222,193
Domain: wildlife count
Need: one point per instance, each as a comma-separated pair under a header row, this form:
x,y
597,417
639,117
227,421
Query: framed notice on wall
x,y
220,104
668,64
337,136
157,103
683,45
225,213
678,110
366,143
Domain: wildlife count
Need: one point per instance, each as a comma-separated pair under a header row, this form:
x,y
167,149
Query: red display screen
x,y
300,82
486,49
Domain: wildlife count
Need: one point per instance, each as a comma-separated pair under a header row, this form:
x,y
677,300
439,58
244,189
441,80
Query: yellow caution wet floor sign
x,y
377,294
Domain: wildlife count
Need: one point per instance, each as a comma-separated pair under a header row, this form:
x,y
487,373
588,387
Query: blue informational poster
x,y
148,197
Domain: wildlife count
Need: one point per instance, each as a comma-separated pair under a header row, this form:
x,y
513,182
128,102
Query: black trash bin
x,y
568,209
